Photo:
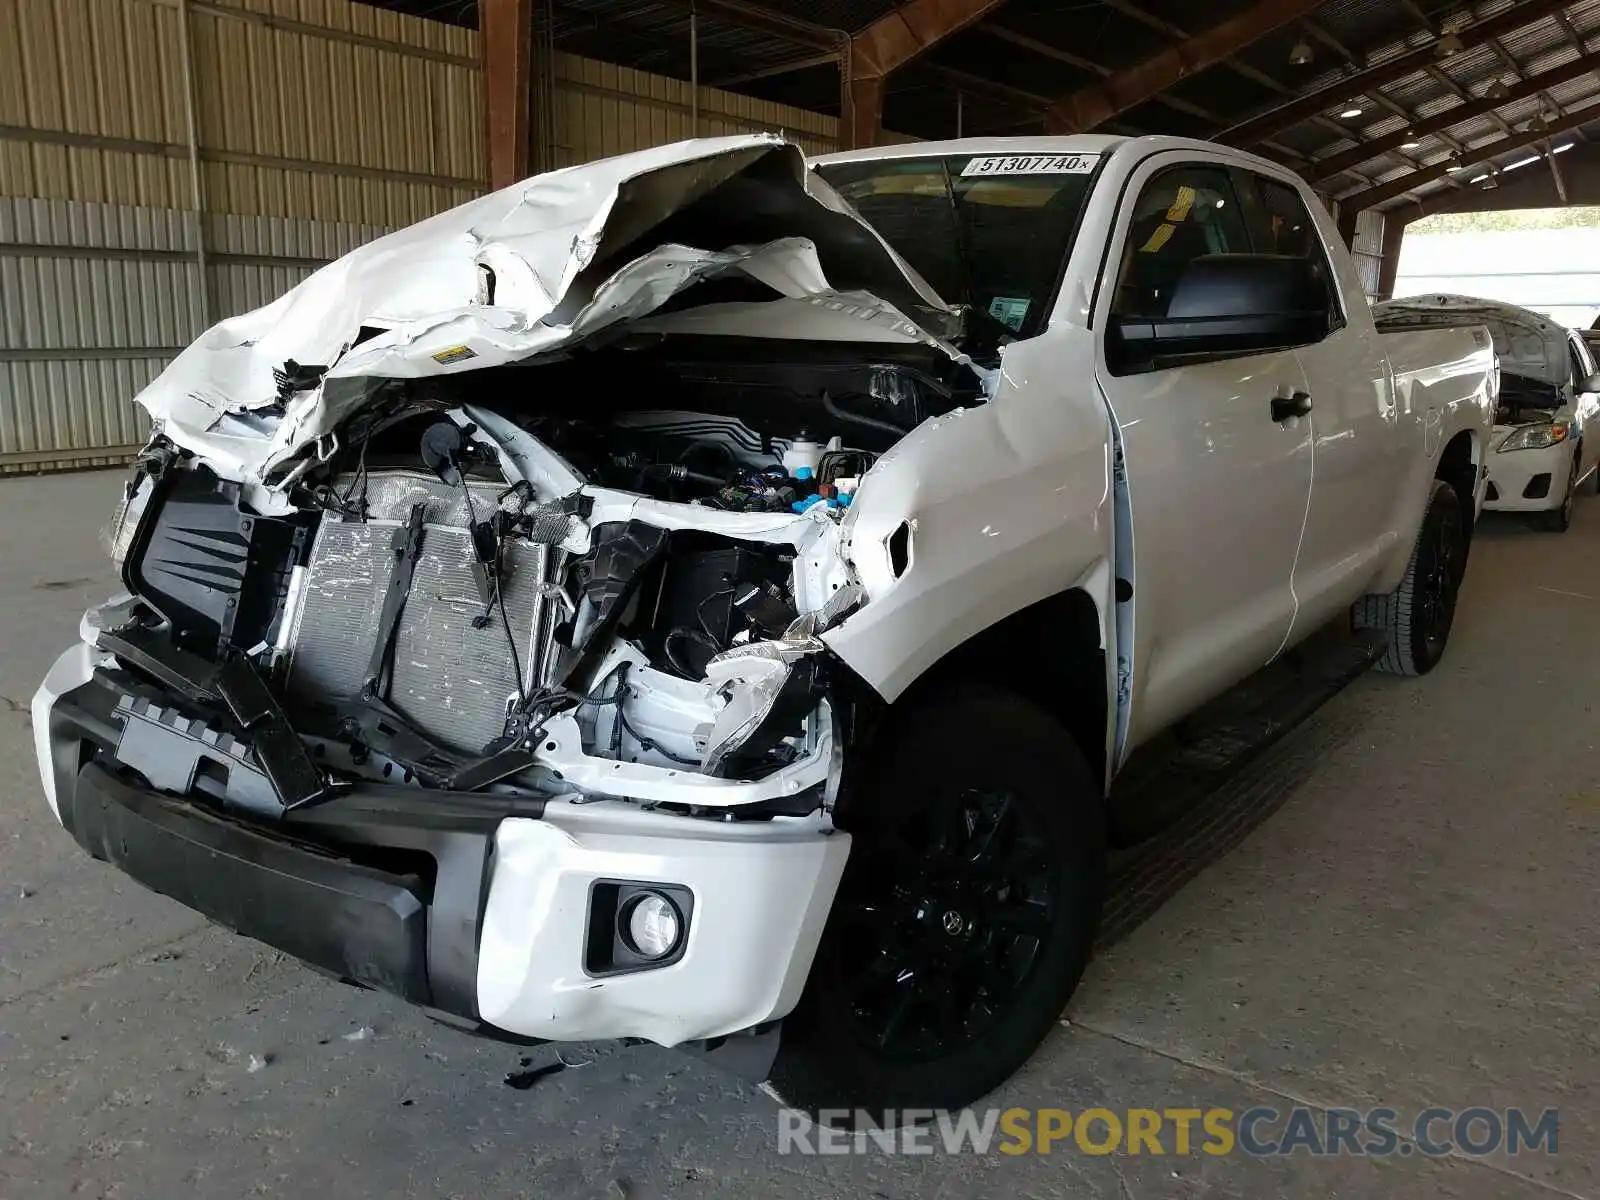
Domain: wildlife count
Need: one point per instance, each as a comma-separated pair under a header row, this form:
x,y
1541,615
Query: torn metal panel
x,y
539,265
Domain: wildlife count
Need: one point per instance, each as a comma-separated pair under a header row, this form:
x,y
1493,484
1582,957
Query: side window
x,y
1182,214
1288,229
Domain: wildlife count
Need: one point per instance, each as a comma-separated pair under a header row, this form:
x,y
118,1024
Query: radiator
x,y
452,681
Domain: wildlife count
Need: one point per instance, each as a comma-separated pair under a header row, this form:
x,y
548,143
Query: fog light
x,y
652,926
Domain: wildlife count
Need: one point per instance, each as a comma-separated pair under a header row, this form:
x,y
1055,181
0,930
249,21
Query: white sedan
x,y
1549,400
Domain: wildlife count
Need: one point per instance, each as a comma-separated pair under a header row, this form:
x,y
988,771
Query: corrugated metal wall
x,y
1367,249
321,123
603,109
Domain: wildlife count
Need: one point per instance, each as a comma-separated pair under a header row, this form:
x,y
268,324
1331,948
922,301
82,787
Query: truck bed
x,y
1440,368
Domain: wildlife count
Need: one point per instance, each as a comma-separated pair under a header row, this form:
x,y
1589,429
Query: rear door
x,y
1350,526
1217,486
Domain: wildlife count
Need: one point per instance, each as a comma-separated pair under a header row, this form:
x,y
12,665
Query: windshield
x,y
987,231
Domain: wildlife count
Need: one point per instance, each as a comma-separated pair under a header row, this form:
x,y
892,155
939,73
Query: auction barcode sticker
x,y
1031,164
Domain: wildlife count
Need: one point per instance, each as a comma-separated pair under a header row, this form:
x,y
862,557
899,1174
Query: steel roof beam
x,y
1326,168
1384,192
1275,120
1096,103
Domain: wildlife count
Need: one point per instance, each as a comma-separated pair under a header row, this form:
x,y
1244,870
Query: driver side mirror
x,y
1228,306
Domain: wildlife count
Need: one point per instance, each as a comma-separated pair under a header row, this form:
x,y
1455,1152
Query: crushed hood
x,y
541,265
1527,344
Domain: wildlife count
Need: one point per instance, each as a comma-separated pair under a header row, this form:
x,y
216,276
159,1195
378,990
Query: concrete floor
x,y
1406,918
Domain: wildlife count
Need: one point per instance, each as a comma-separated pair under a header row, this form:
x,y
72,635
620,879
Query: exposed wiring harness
x,y
622,724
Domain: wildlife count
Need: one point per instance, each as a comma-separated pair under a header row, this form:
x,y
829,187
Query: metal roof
x,y
998,75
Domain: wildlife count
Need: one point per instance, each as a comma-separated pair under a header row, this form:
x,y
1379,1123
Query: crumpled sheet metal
x,y
425,292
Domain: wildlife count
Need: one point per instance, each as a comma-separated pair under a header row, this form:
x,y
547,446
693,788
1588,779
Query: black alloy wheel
x,y
1439,579
966,913
1417,617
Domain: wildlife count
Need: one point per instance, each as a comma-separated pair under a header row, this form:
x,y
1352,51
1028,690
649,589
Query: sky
x,y
1554,271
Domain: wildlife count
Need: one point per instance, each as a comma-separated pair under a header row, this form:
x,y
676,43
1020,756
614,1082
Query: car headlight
x,y
118,535
765,687
760,685
1536,437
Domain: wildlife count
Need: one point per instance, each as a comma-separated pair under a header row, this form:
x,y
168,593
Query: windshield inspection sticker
x,y
1010,311
1030,164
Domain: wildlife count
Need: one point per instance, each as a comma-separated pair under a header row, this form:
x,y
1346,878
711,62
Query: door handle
x,y
1297,405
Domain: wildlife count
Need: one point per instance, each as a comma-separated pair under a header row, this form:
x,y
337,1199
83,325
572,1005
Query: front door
x,y
1350,529
1218,485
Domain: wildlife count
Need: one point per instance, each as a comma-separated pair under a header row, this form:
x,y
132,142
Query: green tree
x,y
1506,220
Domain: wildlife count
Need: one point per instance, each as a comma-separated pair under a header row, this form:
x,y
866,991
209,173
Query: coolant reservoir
x,y
803,452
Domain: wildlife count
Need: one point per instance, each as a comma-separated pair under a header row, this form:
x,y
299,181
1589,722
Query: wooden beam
x,y
746,15
507,41
912,28
783,68
889,43
1066,57
1179,34
1275,120
861,119
1378,95
1098,102
1334,164
1044,49
978,85
1385,192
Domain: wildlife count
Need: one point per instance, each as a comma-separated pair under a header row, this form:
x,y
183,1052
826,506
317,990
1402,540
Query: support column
x,y
505,31
1394,234
197,179
1347,225
861,119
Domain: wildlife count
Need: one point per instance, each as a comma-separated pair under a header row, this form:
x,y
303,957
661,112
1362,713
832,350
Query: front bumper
x,y
474,904
1528,480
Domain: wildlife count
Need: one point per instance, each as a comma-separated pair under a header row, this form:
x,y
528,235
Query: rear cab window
x,y
1285,226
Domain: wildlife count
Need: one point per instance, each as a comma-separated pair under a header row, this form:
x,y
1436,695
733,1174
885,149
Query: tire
x,y
1559,520
966,913
1419,614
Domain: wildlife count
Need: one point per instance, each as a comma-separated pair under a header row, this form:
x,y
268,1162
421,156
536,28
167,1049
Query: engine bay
x,y
1524,399
431,613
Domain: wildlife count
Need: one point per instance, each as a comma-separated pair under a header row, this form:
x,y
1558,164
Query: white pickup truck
x,y
660,599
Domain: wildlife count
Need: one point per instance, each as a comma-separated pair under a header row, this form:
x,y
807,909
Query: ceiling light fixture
x,y
1497,90
1350,114
1456,165
1448,46
1412,142
1302,54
